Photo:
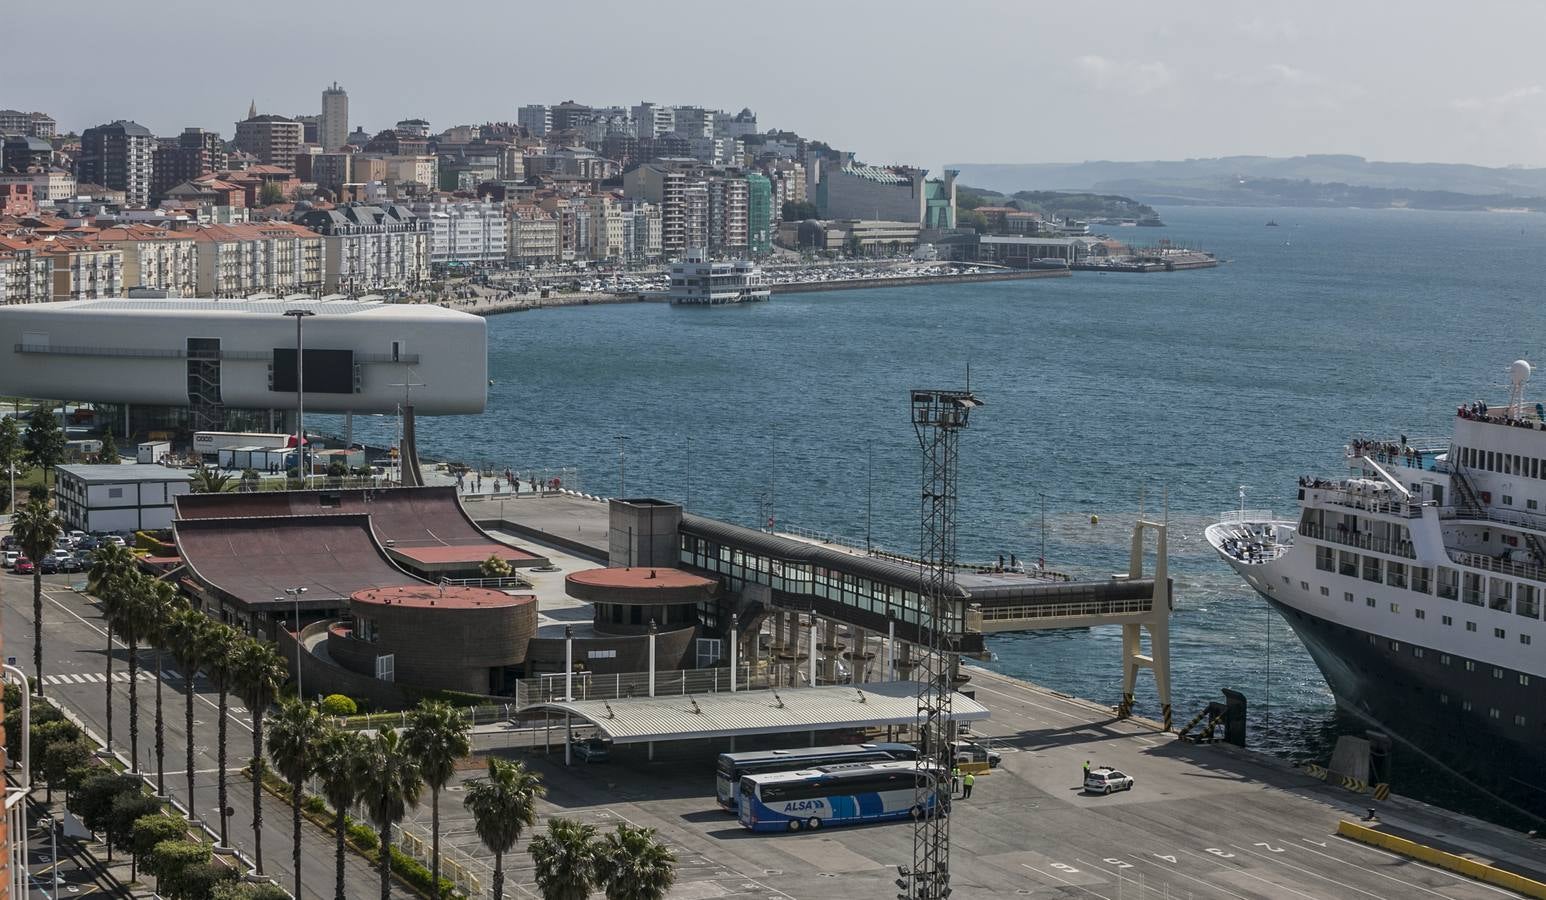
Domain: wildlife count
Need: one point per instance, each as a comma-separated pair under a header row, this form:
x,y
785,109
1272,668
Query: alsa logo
x,y
804,805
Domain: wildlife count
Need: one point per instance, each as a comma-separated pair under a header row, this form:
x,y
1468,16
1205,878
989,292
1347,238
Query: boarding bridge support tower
x,y
1157,624
938,419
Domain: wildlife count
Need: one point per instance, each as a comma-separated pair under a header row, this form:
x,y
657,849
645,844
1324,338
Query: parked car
x,y
10,558
8,542
116,540
23,566
49,565
1105,779
589,750
89,543
969,752
76,537
74,564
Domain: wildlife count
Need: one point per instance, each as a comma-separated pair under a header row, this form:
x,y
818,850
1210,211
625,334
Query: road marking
x,y
1251,875
1302,869
1066,881
1355,845
1456,879
1192,878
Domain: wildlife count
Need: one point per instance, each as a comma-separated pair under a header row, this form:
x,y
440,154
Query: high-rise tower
x,y
333,130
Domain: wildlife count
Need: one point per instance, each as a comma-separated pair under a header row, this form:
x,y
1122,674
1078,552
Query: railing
x,y
411,359
501,582
1341,496
1502,517
1243,516
1500,566
828,537
976,616
1361,540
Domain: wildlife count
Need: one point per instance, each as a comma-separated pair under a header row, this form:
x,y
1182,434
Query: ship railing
x,y
1501,566
1502,517
1241,516
1359,539
1343,497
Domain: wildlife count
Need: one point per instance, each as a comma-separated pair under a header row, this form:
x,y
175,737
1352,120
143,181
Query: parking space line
x,y
1251,875
1192,878
1354,845
1454,878
1272,858
1066,881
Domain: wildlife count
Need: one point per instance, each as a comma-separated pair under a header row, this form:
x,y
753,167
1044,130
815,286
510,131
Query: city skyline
x,y
1218,81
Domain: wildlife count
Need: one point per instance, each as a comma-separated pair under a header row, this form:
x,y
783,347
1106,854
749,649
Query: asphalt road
x,y
73,666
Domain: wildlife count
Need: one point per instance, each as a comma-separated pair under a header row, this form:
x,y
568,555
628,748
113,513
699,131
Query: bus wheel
x,y
813,823
794,824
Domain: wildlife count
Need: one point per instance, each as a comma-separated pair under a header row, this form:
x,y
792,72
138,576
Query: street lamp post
x,y
295,596
300,409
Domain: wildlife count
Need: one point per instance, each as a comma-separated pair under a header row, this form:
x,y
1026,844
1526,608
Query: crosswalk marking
x,y
100,678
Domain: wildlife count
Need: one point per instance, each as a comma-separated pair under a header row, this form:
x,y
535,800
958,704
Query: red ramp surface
x,y
255,560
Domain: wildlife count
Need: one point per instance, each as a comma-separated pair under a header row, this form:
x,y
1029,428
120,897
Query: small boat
x,y
1272,223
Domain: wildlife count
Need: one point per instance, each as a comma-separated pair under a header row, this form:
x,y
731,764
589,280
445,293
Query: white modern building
x,y
698,281
536,118
111,498
466,232
369,247
214,364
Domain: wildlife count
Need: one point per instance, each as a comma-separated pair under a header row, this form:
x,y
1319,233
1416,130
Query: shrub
x,y
494,567
315,805
417,875
363,836
338,705
235,890
128,808
150,832
176,865
93,801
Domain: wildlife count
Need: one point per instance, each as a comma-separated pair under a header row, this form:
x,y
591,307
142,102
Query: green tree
x,y
93,801
503,804
221,642
436,737
37,530
343,765
392,784
111,573
494,567
151,831
258,673
238,890
109,452
209,480
293,737
183,869
186,637
12,452
270,194
162,604
45,441
635,866
64,763
45,737
129,807
567,865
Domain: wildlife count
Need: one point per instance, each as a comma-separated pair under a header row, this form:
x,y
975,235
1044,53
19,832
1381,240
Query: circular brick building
x,y
453,638
627,599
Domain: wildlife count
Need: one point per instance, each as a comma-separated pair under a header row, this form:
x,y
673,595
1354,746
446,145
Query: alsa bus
x,y
842,795
733,766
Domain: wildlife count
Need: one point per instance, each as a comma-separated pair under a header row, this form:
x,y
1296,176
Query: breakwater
x,y
916,280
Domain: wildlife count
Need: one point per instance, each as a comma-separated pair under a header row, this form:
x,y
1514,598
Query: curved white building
x,y
214,357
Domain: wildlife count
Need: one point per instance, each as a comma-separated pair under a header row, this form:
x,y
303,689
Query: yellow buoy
x,y
1094,520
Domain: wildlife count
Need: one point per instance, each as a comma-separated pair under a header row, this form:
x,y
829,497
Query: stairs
x,y
1469,501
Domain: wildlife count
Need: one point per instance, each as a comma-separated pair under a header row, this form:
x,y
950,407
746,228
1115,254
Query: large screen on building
x,y
327,371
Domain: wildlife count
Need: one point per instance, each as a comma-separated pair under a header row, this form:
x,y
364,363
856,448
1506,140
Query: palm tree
x,y
130,620
111,566
161,605
258,673
292,742
392,784
566,860
37,531
503,805
209,480
635,866
343,765
436,738
188,637
221,643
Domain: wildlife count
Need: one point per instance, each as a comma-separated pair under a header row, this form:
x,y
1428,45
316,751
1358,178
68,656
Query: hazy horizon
x,y
992,81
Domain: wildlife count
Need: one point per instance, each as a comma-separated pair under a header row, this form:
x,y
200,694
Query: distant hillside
x,y
1058,204
1262,180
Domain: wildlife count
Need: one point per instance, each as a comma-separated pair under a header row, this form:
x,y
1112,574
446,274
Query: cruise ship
x,y
696,280
1416,584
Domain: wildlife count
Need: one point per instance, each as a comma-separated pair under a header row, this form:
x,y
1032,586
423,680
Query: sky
x,y
1007,81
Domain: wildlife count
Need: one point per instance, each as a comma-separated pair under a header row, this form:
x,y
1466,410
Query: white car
x,y
10,558
1104,780
116,540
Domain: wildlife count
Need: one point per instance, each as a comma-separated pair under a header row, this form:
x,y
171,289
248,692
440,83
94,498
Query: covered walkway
x,y
635,720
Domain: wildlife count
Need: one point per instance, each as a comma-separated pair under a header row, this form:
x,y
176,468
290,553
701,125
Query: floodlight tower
x,y
938,419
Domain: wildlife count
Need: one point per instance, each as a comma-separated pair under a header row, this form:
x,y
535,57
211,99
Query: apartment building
x,y
26,272
727,214
370,247
536,118
466,232
155,258
119,155
272,257
84,270
274,140
47,186
759,214
606,229
333,125
534,239
641,230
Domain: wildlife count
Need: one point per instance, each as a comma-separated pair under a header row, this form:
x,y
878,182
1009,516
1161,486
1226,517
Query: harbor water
x,y
1103,391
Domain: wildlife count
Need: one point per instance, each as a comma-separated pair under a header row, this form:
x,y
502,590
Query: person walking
x,y
955,781
1086,771
967,781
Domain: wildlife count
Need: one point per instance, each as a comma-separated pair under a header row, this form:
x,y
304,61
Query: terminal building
x,y
230,365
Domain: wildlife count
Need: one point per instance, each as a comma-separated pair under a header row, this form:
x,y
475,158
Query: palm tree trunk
x,y
108,619
37,628
499,876
160,733
220,764
256,767
295,853
386,862
434,838
193,808
338,857
134,705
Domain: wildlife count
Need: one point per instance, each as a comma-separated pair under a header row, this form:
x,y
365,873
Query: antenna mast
x,y
938,419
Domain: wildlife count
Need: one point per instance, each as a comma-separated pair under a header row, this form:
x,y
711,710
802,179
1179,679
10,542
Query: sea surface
x,y
1105,394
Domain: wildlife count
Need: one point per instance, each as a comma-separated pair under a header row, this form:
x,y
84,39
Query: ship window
x,y
1444,659
1396,646
1324,559
1470,626
1465,705
1371,568
1444,699
1369,602
1535,467
1470,666
1304,585
1348,596
1449,620
1448,583
1417,652
1420,613
1395,607
1325,591
1525,604
1285,580
1524,639
1508,499
1531,504
1489,466
1498,633
1373,640
1493,712
1420,579
1497,672
1524,679
1395,574
1519,720
1347,563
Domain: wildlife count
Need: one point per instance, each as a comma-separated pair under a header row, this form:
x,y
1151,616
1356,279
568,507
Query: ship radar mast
x,y
1518,374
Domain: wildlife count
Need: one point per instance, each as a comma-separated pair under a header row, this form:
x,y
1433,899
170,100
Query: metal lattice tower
x,y
938,418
